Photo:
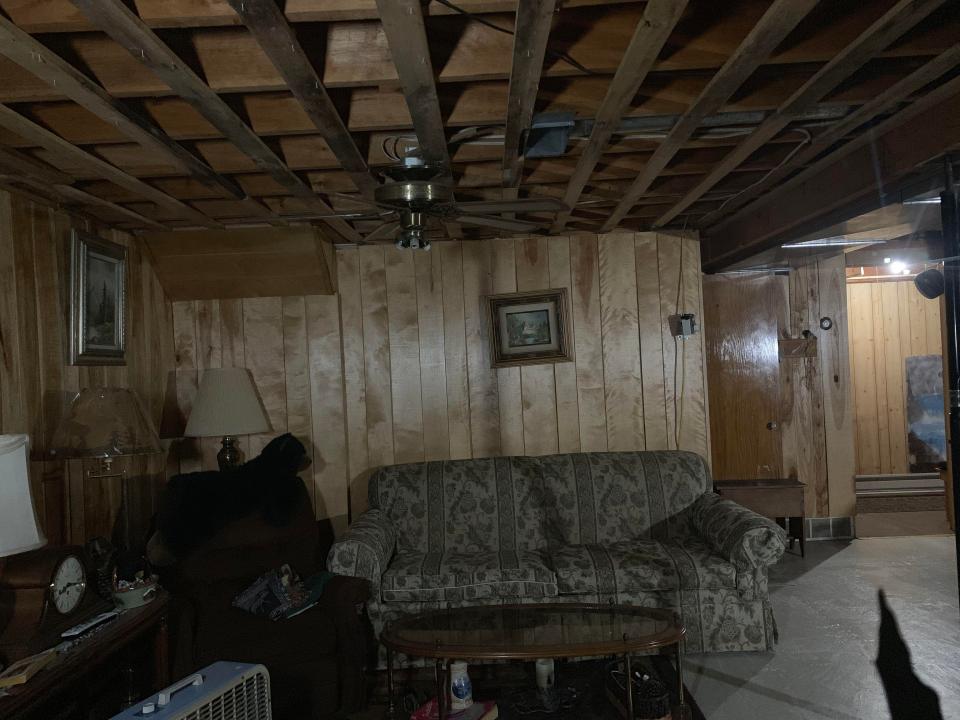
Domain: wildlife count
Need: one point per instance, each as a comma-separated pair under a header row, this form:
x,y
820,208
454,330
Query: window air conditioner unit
x,y
221,691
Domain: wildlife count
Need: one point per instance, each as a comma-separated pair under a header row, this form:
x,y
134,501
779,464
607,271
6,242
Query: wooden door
x,y
741,329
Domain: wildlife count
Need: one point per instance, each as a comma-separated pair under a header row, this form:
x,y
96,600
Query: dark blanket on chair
x,y
195,506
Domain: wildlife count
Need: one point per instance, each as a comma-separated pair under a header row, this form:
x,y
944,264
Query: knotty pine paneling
x,y
36,383
432,352
396,367
890,321
806,400
292,346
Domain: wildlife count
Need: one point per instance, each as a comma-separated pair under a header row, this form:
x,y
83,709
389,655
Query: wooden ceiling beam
x,y
480,103
31,55
114,18
531,33
58,16
858,178
56,145
356,54
894,23
649,37
883,102
16,161
763,39
265,20
407,37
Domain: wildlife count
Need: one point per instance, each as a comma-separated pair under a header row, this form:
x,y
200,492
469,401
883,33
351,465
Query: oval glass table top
x,y
534,631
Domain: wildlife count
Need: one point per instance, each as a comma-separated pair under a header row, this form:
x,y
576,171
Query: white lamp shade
x,y
19,529
227,403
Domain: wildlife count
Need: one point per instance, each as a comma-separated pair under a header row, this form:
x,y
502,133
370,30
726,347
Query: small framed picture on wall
x,y
530,327
98,288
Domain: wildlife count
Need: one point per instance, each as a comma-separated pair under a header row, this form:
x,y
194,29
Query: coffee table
x,y
528,632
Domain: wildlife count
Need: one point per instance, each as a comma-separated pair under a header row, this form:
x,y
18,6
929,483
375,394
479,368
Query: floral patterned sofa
x,y
639,528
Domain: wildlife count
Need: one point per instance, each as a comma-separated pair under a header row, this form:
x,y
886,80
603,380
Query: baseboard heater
x,y
221,691
899,485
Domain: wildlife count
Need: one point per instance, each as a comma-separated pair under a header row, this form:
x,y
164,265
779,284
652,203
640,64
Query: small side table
x,y
780,499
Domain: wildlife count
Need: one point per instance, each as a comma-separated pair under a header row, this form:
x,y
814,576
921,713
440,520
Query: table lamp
x,y
227,405
19,528
106,423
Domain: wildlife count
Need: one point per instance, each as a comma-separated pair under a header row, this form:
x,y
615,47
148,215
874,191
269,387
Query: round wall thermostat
x,y
826,323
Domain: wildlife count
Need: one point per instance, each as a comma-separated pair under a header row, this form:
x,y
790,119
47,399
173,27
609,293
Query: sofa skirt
x,y
716,619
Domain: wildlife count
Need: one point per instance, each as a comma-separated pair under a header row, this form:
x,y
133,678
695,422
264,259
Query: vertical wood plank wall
x,y
890,321
817,420
36,383
398,365
812,403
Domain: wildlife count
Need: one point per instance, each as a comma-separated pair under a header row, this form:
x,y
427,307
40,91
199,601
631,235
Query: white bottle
x,y
461,689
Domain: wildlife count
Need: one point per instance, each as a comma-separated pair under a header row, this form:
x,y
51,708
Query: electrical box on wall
x,y
683,326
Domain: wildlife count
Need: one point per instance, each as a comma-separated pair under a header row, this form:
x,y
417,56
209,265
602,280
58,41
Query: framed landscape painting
x,y
98,279
530,327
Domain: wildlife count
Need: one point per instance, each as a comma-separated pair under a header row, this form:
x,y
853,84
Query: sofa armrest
x,y
743,537
366,548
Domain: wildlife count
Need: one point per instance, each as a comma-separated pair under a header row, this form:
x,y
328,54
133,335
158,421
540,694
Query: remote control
x,y
78,630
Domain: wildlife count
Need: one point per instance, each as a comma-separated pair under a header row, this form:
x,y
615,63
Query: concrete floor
x,y
826,609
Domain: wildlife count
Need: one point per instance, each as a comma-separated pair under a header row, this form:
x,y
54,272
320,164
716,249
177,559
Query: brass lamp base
x,y
230,457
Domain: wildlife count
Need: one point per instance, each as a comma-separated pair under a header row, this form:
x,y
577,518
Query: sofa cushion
x,y
640,565
488,504
475,576
609,497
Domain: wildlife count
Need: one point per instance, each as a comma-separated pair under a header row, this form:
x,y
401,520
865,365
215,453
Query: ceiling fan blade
x,y
484,207
384,232
499,223
360,200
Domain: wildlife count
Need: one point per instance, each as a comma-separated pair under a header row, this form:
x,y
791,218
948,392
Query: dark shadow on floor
x,y
792,566
744,685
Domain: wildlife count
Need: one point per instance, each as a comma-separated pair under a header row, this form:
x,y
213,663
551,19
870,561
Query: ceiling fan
x,y
415,192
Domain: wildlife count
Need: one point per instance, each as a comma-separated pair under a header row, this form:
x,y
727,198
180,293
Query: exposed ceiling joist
x,y
15,161
531,33
856,179
892,25
18,168
649,37
865,113
56,145
763,39
267,23
114,18
55,16
407,36
52,69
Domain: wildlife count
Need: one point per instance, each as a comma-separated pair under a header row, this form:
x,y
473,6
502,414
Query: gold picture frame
x,y
529,328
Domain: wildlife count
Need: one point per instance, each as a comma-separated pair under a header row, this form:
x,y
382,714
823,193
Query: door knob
x,y
772,425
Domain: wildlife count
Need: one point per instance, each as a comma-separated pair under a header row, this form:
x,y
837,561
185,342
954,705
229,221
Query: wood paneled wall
x,y
754,381
36,383
890,321
292,347
397,368
817,420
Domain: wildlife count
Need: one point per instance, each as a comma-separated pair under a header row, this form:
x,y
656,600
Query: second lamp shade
x,y
227,403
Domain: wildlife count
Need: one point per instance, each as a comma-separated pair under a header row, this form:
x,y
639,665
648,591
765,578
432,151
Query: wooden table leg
x,y
629,683
391,708
797,530
683,703
161,654
440,678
